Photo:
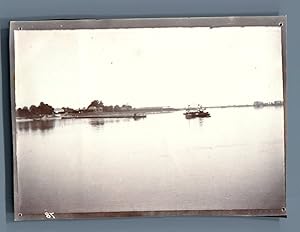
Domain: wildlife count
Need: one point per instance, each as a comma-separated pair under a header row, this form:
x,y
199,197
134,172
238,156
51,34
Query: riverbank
x,y
135,114
240,106
104,115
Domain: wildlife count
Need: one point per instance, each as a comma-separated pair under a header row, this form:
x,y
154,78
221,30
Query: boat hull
x,y
191,115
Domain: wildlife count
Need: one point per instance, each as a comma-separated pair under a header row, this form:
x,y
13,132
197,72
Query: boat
x,y
200,113
138,116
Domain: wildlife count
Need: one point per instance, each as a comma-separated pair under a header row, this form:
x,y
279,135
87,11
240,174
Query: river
x,y
233,160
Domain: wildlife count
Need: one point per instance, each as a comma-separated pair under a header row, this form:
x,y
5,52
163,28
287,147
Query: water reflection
x,y
137,119
195,121
96,122
200,121
42,125
277,107
45,125
99,122
201,163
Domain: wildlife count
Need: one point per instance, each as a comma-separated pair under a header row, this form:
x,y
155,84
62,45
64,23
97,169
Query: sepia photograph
x,y
148,117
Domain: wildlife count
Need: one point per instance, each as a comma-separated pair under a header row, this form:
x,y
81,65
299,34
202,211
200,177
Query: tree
x,y
117,108
45,109
96,103
34,110
19,112
108,108
23,112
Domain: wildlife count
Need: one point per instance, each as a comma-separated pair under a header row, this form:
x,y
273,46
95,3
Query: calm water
x,y
233,160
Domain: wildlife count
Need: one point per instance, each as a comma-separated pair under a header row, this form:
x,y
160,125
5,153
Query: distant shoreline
x,y
240,106
134,113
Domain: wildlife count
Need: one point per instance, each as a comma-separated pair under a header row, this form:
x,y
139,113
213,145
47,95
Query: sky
x,y
148,66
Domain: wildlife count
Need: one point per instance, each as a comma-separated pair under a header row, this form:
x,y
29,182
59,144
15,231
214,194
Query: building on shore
x,y
258,104
262,104
59,111
278,103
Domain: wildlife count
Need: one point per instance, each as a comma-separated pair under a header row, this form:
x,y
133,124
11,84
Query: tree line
x,y
45,109
108,108
34,111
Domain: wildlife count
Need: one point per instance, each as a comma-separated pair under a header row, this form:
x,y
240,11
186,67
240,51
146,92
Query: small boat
x,y
200,113
138,116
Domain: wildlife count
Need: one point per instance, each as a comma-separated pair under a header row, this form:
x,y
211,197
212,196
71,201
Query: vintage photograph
x,y
135,119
